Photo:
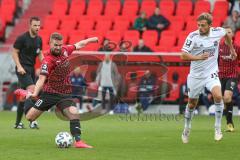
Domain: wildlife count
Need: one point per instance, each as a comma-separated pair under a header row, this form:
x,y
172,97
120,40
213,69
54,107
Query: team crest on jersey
x,y
233,84
38,51
215,43
44,68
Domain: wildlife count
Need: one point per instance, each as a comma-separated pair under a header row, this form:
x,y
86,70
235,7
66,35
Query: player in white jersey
x,y
201,48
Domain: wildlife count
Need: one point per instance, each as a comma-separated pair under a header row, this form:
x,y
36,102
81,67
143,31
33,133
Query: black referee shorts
x,y
48,100
26,79
228,84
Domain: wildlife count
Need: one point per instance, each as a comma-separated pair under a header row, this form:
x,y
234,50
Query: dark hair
x,y
56,36
34,19
205,16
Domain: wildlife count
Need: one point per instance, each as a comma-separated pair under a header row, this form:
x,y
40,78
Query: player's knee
x,y
29,117
218,98
192,105
227,99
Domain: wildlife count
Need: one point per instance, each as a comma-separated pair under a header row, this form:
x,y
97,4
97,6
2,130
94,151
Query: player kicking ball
x,y
201,48
56,57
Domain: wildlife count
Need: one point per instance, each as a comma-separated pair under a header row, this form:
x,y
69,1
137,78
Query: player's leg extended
x,y
188,115
217,96
75,128
229,109
195,87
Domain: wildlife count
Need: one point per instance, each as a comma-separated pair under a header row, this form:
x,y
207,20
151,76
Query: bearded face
x,y
56,47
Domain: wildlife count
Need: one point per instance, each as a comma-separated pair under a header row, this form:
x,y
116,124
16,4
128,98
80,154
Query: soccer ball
x,y
63,140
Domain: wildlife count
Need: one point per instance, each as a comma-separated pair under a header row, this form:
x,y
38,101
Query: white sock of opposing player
x,y
218,114
188,117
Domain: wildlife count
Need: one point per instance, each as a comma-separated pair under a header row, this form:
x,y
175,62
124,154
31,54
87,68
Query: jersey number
x,y
39,102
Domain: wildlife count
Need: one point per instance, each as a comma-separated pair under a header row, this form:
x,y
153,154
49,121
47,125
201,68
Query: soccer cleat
x,y
218,135
21,94
19,126
81,144
185,135
230,128
33,125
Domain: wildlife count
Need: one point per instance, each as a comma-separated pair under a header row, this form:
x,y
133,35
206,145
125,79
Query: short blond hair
x,y
205,16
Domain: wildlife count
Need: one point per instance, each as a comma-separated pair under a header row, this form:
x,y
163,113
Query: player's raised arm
x,y
83,43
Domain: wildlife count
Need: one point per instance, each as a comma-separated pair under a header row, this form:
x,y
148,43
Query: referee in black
x,y
25,50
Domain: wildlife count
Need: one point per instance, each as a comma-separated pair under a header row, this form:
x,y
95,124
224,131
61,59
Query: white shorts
x,y
196,86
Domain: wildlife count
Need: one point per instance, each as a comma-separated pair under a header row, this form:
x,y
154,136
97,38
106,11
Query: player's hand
x,y
93,39
21,70
233,54
31,95
204,56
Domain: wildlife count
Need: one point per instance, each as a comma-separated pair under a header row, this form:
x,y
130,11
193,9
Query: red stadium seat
x,y
59,7
191,23
217,21
76,36
45,35
220,9
77,8
167,7
86,25
201,6
182,37
103,25
51,22
184,8
130,8
96,34
131,35
150,37
160,49
148,7
115,36
95,8
87,18
68,23
176,23
112,8
121,25
168,39
94,46
7,9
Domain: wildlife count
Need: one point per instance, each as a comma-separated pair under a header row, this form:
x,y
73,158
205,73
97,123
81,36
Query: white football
x,y
64,140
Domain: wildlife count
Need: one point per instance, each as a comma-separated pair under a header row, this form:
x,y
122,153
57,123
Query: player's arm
x,y
187,50
83,43
40,56
228,40
189,57
15,56
39,85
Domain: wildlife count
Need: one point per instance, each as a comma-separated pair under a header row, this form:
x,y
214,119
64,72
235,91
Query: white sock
x,y
218,114
188,117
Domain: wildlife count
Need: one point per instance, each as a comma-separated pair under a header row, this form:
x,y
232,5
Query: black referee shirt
x,y
29,48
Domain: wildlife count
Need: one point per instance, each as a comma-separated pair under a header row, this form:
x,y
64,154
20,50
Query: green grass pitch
x,y
114,138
